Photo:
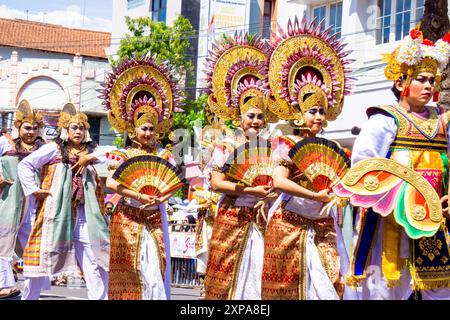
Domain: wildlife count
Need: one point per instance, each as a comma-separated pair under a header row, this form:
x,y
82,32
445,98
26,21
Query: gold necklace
x,y
25,146
77,150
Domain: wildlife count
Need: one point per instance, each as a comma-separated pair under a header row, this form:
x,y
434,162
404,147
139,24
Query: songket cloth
x,y
236,249
140,266
302,249
63,233
386,264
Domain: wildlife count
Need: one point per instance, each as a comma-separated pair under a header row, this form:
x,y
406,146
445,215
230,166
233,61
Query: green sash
x,y
11,201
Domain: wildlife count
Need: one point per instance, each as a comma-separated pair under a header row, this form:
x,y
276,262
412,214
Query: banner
x,y
182,244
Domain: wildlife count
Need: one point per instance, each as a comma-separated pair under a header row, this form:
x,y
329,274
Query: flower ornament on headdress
x,y
23,114
416,54
68,115
236,75
140,90
307,68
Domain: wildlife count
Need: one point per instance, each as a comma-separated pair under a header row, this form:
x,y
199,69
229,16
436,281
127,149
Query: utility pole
x,y
434,25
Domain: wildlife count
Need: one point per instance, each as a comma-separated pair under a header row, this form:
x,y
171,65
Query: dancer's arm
x,y
27,168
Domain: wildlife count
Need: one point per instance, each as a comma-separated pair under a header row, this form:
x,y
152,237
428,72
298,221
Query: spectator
x,y
109,209
189,223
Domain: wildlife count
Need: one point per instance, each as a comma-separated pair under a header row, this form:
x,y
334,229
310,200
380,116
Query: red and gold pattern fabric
x,y
125,282
231,229
284,272
126,229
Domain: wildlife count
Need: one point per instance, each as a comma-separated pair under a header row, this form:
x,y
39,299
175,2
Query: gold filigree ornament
x,y
138,91
371,183
414,55
236,77
419,213
69,114
25,113
307,68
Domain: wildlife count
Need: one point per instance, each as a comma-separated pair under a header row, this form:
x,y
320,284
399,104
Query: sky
x,y
83,14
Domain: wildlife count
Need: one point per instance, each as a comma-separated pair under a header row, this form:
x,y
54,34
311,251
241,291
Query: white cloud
x,y
71,18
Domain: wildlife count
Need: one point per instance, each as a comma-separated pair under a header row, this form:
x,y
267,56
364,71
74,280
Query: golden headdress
x,y
69,114
140,90
25,113
415,55
307,68
236,75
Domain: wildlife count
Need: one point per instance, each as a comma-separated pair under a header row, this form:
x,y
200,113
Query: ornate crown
x,y
416,54
236,75
25,113
69,114
141,90
307,67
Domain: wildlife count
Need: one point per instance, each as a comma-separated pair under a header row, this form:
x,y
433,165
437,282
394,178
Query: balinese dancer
x,y
237,71
415,135
18,212
141,96
70,226
207,199
308,78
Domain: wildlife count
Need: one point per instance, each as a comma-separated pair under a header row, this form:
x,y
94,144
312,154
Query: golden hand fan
x,y
322,161
251,163
149,175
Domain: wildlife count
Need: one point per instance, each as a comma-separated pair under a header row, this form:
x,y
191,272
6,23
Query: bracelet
x,y
313,196
139,197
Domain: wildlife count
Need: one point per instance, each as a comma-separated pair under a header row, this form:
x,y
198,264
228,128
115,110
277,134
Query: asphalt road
x,y
78,291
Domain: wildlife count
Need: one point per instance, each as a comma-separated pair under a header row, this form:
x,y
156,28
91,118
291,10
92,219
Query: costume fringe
x,y
354,282
430,285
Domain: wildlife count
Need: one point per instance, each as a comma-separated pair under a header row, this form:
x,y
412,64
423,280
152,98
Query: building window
x,y
320,14
267,19
329,15
336,18
159,8
384,22
420,8
402,18
396,18
134,3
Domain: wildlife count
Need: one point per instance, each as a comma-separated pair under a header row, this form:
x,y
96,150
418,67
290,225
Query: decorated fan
x,y
322,161
251,164
149,175
387,186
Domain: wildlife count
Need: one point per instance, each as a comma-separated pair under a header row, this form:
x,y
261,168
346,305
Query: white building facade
x,y
49,77
370,27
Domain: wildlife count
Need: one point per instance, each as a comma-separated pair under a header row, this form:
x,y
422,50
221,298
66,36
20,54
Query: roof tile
x,y
54,38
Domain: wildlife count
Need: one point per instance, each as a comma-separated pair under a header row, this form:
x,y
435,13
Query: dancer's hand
x,y
148,201
42,194
261,206
4,183
82,163
323,196
259,191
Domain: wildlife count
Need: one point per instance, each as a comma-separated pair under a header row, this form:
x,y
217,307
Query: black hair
x,y
397,93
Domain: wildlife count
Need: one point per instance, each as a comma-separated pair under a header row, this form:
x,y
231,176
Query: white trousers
x,y
6,271
249,284
95,276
